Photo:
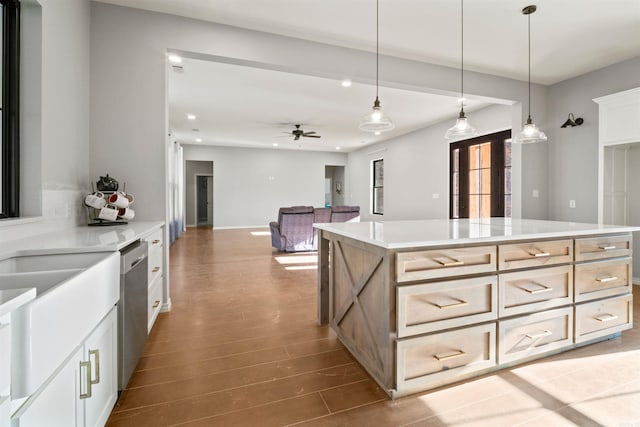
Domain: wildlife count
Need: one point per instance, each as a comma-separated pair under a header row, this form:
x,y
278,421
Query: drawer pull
x,y
606,279
538,335
606,247
155,242
605,317
538,290
156,304
539,254
449,355
155,269
86,365
96,354
448,261
458,303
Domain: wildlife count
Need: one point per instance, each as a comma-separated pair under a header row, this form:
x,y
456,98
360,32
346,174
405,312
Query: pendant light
x,y
530,132
462,129
376,120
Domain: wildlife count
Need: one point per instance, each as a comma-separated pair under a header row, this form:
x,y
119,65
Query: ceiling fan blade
x,y
309,133
312,136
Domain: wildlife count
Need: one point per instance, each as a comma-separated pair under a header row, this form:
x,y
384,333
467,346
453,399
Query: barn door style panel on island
x,y
421,304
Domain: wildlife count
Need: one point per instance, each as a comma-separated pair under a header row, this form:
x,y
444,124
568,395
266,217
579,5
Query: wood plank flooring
x,y
241,347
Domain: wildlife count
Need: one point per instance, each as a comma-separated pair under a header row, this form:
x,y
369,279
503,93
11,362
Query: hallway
x,y
241,347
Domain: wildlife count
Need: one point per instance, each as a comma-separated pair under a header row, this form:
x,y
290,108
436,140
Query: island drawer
x,y
534,290
603,247
535,254
437,263
534,334
430,360
602,278
603,317
434,306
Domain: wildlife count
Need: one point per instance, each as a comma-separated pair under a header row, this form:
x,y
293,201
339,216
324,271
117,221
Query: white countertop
x,y
80,239
438,232
14,298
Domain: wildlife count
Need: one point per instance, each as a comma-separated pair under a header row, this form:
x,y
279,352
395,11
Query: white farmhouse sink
x,y
73,293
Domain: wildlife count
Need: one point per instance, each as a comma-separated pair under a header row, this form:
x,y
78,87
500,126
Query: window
x,y
9,94
378,187
481,176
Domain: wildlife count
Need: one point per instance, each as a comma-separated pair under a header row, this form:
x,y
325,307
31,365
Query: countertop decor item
x,y
108,206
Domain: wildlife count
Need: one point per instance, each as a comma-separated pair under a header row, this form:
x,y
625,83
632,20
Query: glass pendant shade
x,y
530,133
376,120
461,130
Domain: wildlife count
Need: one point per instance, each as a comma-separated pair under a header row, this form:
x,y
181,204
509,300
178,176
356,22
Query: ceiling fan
x,y
297,133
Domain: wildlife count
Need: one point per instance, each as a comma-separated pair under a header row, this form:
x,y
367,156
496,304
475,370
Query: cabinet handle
x,y
86,365
155,269
607,247
448,261
541,289
539,254
450,355
606,317
156,304
606,279
537,335
458,303
155,242
96,354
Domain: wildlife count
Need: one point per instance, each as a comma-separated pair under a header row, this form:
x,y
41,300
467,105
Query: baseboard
x,y
235,227
636,281
166,307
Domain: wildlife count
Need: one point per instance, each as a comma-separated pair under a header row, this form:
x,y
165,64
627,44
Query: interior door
x,y
210,200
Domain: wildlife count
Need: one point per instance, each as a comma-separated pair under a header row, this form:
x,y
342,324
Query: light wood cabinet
x,y
434,306
420,318
534,290
603,317
447,262
535,254
534,334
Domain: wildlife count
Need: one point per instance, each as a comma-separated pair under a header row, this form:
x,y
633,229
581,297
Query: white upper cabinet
x,y
619,117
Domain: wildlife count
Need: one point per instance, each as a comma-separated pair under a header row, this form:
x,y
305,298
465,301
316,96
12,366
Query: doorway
x,y
333,185
204,200
199,193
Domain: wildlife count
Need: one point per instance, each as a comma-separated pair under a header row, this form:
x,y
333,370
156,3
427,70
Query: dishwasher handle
x,y
137,261
132,255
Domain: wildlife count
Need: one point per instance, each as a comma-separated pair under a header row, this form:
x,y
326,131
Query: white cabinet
x,y
84,390
5,369
155,243
619,117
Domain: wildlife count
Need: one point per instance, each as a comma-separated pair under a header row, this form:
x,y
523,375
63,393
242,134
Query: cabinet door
x,y
101,350
58,404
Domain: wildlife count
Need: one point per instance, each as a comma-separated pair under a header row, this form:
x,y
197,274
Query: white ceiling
x,y
569,38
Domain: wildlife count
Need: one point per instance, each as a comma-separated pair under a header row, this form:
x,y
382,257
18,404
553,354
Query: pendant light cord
x,y
529,28
461,55
377,43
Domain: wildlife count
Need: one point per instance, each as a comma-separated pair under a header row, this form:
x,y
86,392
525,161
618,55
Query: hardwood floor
x,y
241,347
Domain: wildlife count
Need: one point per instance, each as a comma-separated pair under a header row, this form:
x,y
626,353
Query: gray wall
x,y
128,103
573,152
55,115
250,185
337,175
192,168
416,169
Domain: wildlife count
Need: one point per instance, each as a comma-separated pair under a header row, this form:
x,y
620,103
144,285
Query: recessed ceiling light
x,y
191,116
175,59
198,139
275,144
377,132
346,83
462,100
338,148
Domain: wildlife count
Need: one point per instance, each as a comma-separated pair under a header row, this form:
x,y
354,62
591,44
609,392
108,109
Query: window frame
x,y
10,139
498,165
375,187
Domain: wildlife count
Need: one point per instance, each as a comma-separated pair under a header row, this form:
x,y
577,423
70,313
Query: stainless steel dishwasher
x,y
132,309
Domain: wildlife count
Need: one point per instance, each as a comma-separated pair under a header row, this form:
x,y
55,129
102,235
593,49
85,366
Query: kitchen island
x,y
425,303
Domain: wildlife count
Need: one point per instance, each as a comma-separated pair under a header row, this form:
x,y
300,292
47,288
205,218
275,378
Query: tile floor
x,y
241,347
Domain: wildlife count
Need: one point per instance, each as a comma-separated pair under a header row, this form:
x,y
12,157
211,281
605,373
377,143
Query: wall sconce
x,y
572,122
